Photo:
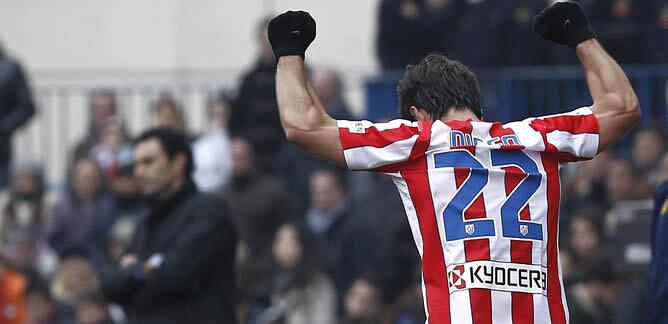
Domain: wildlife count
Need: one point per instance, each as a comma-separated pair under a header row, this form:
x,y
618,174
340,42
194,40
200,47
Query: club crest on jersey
x,y
524,230
470,229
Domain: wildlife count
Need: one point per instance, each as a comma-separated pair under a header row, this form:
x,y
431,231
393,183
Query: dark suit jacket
x,y
194,236
16,104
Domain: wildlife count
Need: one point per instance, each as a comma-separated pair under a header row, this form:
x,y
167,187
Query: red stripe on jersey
x,y
520,252
554,289
419,149
433,262
574,124
375,138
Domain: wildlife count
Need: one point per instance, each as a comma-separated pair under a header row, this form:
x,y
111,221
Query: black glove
x,y
563,23
290,33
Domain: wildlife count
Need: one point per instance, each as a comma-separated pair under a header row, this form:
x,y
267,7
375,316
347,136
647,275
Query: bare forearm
x,y
298,105
304,120
606,79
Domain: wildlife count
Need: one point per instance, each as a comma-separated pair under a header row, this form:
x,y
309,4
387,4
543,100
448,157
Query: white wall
x,y
174,34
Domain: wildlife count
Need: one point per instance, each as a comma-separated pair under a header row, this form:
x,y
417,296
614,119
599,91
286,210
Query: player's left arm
x,y
303,117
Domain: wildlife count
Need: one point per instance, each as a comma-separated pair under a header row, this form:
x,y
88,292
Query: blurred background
x,y
79,79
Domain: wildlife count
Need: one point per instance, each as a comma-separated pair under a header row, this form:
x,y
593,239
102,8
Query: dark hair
x,y
71,172
310,263
172,141
438,85
103,92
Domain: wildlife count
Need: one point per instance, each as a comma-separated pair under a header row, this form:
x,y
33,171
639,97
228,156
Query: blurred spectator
x,y
12,289
649,144
655,28
478,27
254,113
41,307
29,253
616,22
258,203
328,85
167,112
130,208
521,46
127,195
102,106
80,220
113,149
93,309
26,202
16,108
362,303
585,238
344,242
295,171
408,308
410,29
120,238
211,150
586,185
657,283
299,291
622,182
395,252
591,301
167,274
73,280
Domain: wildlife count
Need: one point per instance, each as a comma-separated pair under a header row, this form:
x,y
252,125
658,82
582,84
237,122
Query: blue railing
x,y
516,93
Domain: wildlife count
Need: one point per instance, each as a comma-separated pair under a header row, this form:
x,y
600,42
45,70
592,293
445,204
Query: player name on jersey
x,y
513,277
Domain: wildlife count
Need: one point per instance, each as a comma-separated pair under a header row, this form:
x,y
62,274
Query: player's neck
x,y
460,114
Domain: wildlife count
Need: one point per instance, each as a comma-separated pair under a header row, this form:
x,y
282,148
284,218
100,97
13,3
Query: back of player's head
x,y
438,85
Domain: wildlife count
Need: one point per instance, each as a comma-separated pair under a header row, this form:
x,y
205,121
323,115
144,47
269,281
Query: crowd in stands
x,y
319,244
488,34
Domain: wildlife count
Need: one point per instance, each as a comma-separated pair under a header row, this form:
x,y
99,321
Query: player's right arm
x,y
615,104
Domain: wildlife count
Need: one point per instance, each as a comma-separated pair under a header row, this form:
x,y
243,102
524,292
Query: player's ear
x,y
419,114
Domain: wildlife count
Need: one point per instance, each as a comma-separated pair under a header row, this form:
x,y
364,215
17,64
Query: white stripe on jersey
x,y
411,214
583,145
530,138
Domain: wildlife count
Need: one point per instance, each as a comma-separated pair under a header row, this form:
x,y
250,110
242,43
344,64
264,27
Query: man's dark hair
x,y
173,142
438,85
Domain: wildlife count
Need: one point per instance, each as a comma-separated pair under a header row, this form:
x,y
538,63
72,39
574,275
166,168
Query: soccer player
x,y
482,198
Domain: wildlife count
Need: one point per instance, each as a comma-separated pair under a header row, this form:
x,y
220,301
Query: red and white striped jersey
x,y
482,200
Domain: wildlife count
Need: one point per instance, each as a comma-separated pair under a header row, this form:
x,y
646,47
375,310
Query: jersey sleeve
x,y
376,146
572,136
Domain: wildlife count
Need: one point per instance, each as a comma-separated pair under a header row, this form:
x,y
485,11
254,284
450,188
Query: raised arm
x,y
615,103
304,120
